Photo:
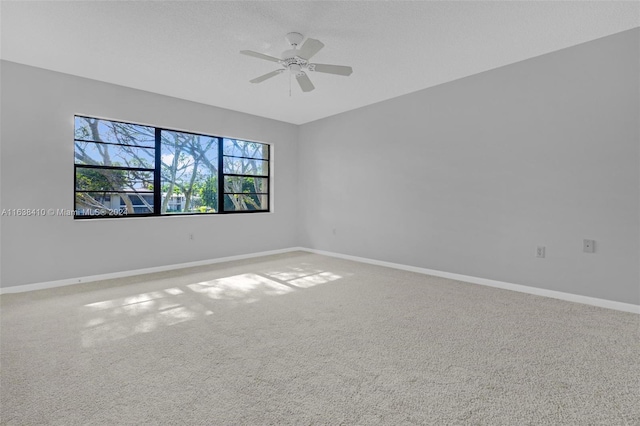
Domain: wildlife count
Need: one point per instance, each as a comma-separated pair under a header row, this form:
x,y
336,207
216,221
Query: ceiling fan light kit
x,y
296,61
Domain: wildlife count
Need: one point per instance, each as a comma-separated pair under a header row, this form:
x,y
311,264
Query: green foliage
x,y
165,187
100,180
248,185
209,193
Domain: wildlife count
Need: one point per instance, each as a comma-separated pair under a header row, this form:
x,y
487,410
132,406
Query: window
x,y
245,170
124,169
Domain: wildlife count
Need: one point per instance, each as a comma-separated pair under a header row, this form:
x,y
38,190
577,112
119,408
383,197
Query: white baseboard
x,y
123,274
602,303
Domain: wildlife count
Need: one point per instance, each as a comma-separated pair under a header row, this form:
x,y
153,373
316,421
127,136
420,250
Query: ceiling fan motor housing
x,y
295,64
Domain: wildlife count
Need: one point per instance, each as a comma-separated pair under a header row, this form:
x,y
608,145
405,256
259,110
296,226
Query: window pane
x,y
189,170
244,202
91,179
113,204
244,166
240,184
98,154
93,129
238,148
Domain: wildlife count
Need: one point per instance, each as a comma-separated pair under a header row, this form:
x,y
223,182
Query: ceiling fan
x,y
296,61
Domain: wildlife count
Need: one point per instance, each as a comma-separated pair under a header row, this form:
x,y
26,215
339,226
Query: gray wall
x,y
470,176
467,177
37,172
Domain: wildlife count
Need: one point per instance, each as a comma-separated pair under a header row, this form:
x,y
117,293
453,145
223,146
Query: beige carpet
x,y
305,339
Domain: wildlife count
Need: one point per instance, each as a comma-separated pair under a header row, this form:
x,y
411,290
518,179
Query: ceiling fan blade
x,y
332,69
310,48
259,55
266,76
305,84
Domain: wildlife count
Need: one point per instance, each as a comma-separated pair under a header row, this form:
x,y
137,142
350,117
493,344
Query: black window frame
x,y
222,175
157,174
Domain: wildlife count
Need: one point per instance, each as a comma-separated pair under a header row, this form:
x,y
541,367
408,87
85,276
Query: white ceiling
x,y
189,49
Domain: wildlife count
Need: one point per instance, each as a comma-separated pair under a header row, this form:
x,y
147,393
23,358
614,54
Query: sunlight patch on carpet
x,y
115,319
240,286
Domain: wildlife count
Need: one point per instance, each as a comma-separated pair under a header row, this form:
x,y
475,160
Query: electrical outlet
x,y
589,246
540,251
